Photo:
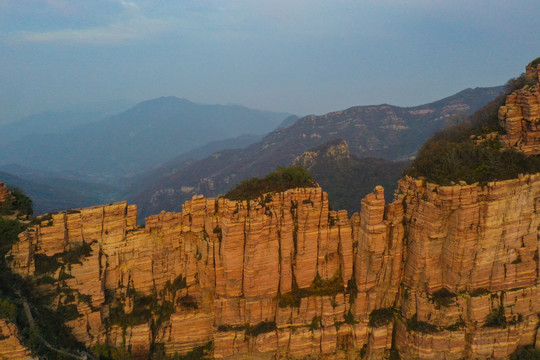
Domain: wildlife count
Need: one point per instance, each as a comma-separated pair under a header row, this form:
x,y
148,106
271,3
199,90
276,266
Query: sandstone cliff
x,y
520,116
5,195
287,277
442,272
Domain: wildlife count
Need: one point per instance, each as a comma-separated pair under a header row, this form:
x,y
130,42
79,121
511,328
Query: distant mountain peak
x,y
336,150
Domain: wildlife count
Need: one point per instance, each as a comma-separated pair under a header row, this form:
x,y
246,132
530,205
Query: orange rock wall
x,y
5,194
520,116
10,346
238,260
259,279
481,245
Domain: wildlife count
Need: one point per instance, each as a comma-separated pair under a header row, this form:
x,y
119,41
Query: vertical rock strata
x,y
264,277
520,116
5,195
443,272
469,283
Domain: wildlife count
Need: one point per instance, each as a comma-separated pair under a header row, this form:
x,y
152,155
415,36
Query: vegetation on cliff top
x,y
20,204
282,179
451,154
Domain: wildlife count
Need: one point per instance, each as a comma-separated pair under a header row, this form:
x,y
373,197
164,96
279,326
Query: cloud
x,y
131,23
118,32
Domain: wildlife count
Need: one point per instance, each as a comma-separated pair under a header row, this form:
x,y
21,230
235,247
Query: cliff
x,y
5,195
287,277
441,272
520,116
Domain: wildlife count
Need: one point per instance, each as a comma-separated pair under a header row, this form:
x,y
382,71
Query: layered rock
x,y
229,272
470,279
10,345
443,272
5,195
520,116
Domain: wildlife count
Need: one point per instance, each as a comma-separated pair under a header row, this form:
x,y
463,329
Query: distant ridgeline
x,y
498,142
448,270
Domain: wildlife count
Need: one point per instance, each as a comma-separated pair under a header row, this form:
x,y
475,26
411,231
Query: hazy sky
x,y
303,57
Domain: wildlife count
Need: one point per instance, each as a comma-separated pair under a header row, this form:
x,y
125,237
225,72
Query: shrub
x,y
421,326
198,353
45,264
349,318
22,203
496,318
7,309
381,317
217,230
517,260
326,287
282,179
68,312
76,252
450,155
9,231
316,323
188,301
261,328
443,297
456,326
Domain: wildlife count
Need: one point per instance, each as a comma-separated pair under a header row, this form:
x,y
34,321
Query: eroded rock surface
x,y
520,116
454,268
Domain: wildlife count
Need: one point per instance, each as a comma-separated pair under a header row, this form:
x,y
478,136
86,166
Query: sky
x,y
297,56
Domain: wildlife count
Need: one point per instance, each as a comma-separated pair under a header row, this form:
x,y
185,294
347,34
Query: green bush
x,y
413,324
349,318
326,287
261,328
76,252
45,264
316,323
496,318
7,309
22,203
450,155
9,231
381,317
443,297
189,302
282,179
460,324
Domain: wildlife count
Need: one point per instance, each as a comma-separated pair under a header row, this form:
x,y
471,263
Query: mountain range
x,y
383,131
135,140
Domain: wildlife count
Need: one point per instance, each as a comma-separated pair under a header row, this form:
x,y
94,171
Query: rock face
x,y
5,195
10,346
520,116
441,273
264,277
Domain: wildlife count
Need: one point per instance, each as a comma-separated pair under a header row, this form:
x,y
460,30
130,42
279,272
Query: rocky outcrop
x,y
520,116
470,278
5,195
442,272
272,276
10,346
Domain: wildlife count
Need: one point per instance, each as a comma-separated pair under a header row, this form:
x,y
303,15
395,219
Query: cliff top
x,y
498,142
282,179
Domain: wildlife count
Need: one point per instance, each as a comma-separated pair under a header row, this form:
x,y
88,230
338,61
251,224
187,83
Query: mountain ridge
x,y
391,137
